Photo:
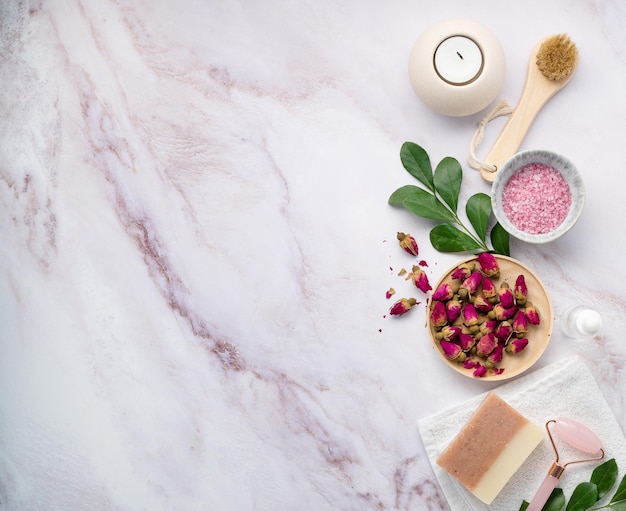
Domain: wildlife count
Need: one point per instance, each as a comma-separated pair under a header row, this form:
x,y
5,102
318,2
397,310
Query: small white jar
x,y
580,322
457,67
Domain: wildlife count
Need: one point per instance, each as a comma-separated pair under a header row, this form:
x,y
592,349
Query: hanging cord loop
x,y
501,109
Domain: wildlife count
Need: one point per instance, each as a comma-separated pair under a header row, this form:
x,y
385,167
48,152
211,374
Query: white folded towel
x,y
563,389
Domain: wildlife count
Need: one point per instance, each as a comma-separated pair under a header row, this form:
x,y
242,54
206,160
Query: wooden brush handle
x,y
515,129
537,91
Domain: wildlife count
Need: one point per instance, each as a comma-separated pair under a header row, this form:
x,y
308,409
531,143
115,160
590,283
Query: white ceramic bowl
x,y
556,161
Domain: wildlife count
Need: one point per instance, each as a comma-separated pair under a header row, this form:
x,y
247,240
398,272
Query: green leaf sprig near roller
x,y
439,200
587,495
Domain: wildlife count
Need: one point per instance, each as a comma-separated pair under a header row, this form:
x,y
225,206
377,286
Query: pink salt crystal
x,y
536,199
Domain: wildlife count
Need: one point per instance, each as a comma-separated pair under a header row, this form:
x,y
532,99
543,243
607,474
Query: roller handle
x,y
543,493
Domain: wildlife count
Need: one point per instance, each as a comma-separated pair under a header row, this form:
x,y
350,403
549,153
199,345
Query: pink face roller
x,y
579,437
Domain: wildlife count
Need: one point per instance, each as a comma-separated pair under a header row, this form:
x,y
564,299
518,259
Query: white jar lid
x,y
588,322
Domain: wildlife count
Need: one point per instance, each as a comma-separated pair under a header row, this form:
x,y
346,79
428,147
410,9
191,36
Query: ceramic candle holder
x,y
457,67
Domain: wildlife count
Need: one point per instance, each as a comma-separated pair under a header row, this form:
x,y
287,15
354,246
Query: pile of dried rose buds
x,y
477,322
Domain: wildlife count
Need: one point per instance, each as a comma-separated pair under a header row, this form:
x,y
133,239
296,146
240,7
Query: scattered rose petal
x,y
480,371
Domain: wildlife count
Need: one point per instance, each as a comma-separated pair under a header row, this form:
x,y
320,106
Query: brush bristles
x,y
557,57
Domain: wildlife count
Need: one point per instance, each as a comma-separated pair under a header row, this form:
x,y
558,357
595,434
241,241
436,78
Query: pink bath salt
x,y
536,199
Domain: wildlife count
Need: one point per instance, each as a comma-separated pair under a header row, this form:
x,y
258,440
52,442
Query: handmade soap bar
x,y
490,448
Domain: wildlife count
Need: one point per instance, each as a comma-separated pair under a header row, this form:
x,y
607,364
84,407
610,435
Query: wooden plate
x,y
538,335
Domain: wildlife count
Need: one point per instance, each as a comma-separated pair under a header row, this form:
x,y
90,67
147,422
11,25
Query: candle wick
x,y
460,56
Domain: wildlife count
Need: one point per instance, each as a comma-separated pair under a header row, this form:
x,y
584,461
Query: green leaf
x,y
417,162
617,506
448,177
555,502
524,506
620,493
500,240
424,204
584,496
478,209
447,238
604,477
402,193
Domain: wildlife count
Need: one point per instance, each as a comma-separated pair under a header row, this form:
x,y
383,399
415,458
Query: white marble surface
x,y
195,245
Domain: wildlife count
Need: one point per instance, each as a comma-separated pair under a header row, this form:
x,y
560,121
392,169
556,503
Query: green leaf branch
x,y
586,495
438,199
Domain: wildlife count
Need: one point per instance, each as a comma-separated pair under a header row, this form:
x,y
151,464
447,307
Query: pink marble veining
x,y
195,245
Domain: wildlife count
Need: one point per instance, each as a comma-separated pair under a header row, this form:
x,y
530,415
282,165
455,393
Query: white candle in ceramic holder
x,y
457,67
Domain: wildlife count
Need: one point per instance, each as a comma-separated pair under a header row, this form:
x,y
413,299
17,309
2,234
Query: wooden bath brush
x,y
552,64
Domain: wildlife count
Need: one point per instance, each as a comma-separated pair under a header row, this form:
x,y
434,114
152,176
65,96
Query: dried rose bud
x,y
488,326
495,357
471,284
453,309
490,291
532,314
390,293
486,345
504,331
402,306
505,295
445,291
470,316
481,304
498,370
466,341
520,290
420,279
463,271
408,243
489,264
501,313
517,345
451,350
480,371
438,316
520,323
470,363
448,333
